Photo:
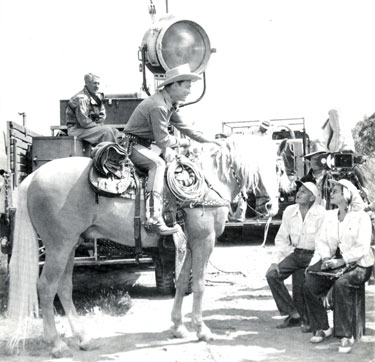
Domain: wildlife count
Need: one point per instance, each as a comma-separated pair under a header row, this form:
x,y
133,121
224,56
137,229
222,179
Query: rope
x,y
226,271
185,180
266,231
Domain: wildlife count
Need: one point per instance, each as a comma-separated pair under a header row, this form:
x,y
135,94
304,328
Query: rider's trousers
x,y
150,161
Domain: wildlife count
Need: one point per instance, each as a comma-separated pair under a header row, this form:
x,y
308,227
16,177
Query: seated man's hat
x,y
316,148
180,73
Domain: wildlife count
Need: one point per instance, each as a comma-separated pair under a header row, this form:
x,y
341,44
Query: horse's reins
x,y
245,198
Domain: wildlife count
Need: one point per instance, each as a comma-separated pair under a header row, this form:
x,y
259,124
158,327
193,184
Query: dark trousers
x,y
317,286
295,265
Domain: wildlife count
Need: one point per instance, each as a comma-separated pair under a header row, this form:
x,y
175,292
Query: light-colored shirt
x,y
352,236
152,117
294,232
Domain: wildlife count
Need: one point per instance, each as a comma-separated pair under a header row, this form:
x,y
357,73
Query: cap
x,y
345,183
310,186
355,203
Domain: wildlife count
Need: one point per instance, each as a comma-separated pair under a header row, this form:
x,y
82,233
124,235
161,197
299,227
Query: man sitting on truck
x,y
294,249
85,114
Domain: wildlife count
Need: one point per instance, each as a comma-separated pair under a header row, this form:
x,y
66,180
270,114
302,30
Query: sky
x,y
274,58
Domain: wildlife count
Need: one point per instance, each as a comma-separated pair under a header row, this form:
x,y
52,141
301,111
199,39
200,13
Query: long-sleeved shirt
x,y
151,118
352,236
84,111
294,232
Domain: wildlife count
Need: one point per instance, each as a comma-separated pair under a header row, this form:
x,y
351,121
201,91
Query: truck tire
x,y
164,276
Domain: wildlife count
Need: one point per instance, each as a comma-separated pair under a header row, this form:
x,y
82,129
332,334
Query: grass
x,y
114,301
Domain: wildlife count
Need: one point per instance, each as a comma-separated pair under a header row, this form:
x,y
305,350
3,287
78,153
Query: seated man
x,y
294,248
344,240
85,114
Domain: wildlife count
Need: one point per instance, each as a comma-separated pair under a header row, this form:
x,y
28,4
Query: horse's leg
x,y
201,252
179,330
64,291
53,269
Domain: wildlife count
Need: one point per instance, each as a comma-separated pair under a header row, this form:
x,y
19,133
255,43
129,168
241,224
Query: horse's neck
x,y
228,191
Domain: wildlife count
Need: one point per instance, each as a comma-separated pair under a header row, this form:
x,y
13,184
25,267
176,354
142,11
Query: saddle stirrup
x,y
154,219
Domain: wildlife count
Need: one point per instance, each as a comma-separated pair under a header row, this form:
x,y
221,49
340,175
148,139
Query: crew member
x,y
344,240
85,114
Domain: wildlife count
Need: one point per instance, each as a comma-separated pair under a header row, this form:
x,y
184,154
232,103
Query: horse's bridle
x,y
243,195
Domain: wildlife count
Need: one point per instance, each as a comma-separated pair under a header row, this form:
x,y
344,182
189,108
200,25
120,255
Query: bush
x,y
364,136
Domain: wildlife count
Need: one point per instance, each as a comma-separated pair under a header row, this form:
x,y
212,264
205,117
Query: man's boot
x,y
154,220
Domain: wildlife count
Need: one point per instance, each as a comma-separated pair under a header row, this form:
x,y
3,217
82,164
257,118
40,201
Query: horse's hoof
x,y
205,335
180,332
88,345
61,350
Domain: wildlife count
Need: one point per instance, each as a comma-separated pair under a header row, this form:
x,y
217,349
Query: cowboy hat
x,y
180,73
316,148
265,125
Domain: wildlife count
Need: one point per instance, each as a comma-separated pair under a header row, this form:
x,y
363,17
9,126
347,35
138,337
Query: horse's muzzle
x,y
271,209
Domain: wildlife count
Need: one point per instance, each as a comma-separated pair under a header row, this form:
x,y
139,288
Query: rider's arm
x,y
159,125
188,130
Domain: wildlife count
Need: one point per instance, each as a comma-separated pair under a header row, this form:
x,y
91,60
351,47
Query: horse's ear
x,y
282,146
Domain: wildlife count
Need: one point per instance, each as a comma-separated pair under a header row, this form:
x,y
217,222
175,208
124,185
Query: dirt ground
x,y
238,307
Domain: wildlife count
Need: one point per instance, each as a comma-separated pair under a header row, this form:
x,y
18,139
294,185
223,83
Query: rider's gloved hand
x,y
169,155
184,142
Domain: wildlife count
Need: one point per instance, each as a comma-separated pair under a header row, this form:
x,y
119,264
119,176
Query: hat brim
x,y
315,193
347,185
314,153
181,77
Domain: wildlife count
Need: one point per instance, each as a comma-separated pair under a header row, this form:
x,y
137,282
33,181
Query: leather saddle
x,y
112,174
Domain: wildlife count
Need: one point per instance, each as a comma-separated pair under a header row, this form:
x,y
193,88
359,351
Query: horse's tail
x,y
24,272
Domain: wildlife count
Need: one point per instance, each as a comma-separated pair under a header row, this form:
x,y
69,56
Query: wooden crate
x,y
118,109
45,149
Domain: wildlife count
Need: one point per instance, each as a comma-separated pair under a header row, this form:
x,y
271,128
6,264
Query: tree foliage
x,y
364,136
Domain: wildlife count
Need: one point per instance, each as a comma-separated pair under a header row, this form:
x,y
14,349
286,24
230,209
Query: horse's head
x,y
287,154
248,163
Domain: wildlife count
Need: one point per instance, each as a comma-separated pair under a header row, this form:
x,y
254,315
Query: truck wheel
x,y
164,276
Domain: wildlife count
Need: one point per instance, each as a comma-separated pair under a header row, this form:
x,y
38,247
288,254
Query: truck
x,y
289,130
26,151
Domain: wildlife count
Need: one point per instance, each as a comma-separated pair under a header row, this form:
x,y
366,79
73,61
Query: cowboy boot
x,y
154,220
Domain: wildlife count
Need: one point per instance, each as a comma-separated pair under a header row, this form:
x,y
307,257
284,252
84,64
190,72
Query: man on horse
x,y
85,114
149,124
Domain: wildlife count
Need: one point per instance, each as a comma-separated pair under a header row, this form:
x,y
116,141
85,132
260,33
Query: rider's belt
x,y
136,140
301,251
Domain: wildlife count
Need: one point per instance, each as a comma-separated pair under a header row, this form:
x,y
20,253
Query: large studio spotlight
x,y
173,42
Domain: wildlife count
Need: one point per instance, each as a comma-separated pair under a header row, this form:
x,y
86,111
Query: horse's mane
x,y
246,154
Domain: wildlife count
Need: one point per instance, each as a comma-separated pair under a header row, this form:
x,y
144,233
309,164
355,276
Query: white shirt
x,y
294,232
352,236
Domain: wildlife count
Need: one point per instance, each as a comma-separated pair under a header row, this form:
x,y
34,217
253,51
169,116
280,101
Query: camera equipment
x,y
341,160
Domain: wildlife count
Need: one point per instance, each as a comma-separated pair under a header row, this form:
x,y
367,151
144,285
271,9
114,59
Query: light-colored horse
x,y
57,204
